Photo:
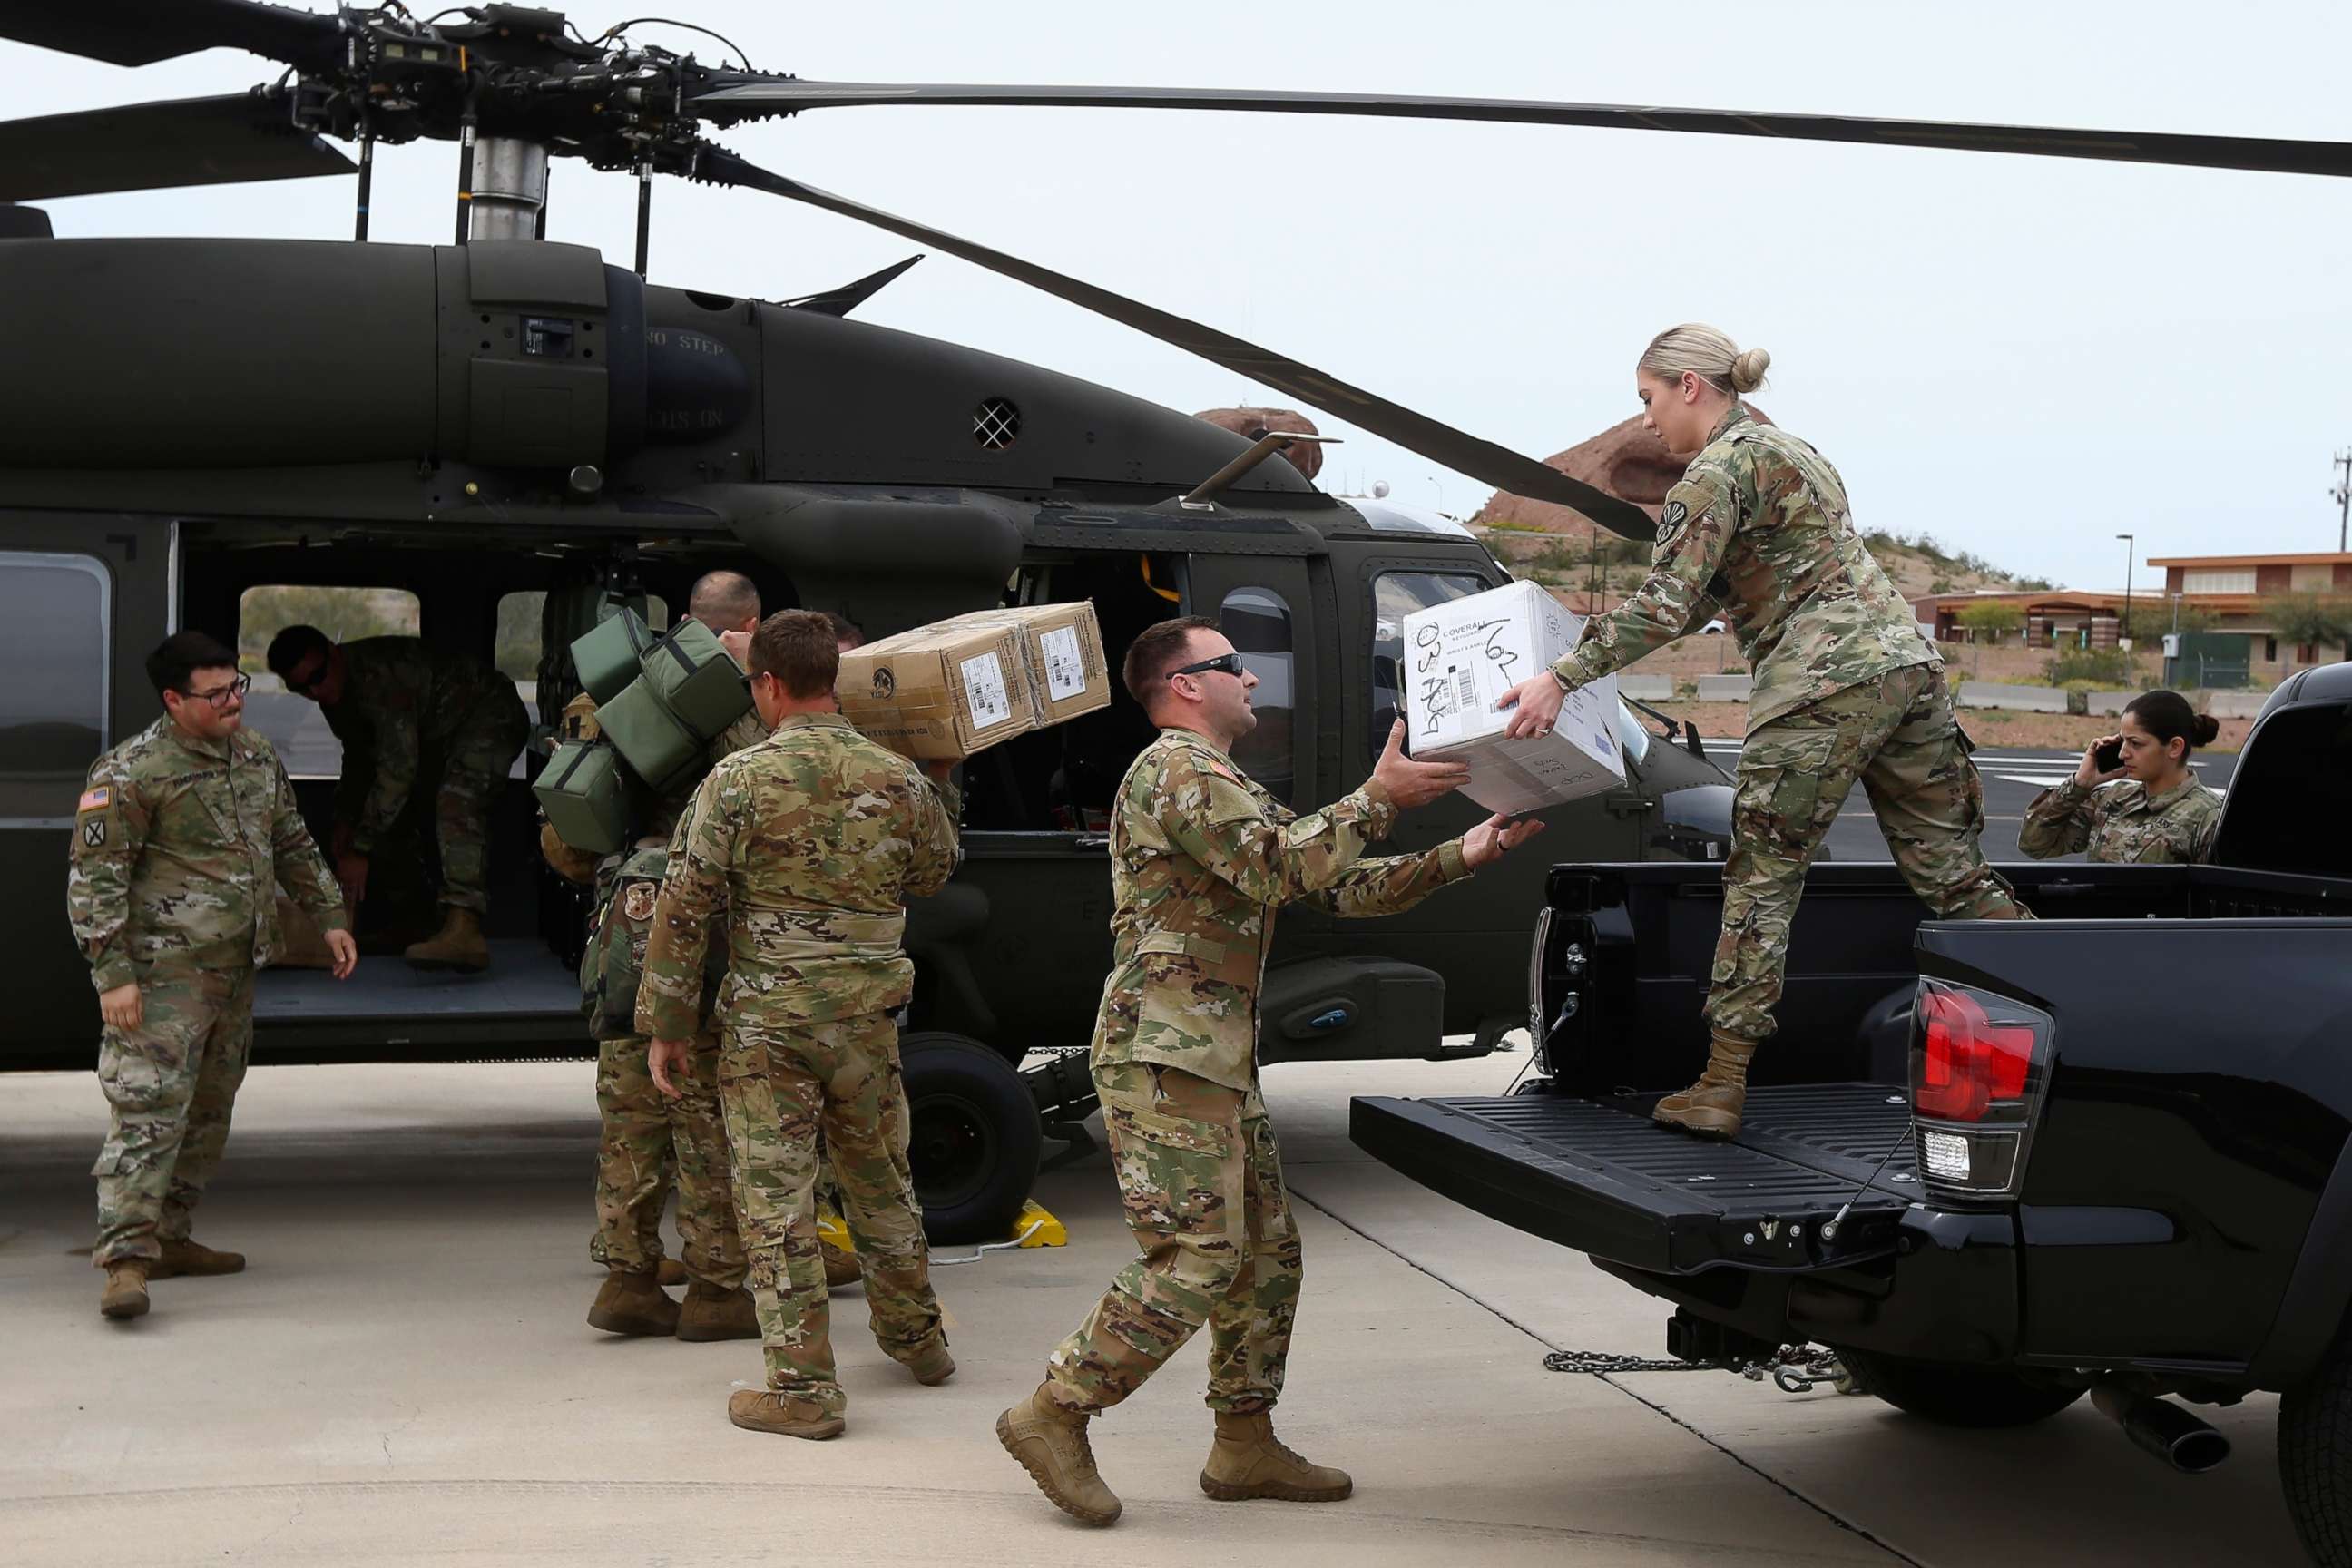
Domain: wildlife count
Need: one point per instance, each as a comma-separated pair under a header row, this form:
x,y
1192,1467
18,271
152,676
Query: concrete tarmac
x,y
404,1375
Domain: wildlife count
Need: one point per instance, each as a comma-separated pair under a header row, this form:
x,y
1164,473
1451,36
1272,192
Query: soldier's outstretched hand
x,y
1487,843
344,952
1413,782
1535,703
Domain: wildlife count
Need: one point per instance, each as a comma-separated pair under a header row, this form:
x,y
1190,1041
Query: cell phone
x,y
2108,757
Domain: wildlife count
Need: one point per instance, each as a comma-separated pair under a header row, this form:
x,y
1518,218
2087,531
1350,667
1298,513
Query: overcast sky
x,y
2022,356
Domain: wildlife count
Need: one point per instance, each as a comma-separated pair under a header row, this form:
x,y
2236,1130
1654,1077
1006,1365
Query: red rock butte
x,y
1307,457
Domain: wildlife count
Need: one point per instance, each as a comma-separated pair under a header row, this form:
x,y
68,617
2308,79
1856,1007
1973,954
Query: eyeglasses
x,y
1230,663
303,685
219,696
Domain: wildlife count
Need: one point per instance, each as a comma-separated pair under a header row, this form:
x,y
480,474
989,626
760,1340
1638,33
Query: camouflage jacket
x,y
811,843
2122,823
178,848
401,698
1201,858
1759,527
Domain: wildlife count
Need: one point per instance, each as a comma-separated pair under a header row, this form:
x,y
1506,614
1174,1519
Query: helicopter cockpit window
x,y
294,724
54,634
1258,622
1396,594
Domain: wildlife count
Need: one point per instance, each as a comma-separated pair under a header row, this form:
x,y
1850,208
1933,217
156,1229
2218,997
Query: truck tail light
x,y
1978,1062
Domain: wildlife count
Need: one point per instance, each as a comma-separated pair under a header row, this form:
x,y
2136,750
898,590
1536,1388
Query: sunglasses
x,y
219,696
303,685
1230,663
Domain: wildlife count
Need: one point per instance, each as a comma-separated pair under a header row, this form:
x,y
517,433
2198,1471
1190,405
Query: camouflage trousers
x,y
472,773
1896,733
648,1137
170,1085
780,1087
1200,1178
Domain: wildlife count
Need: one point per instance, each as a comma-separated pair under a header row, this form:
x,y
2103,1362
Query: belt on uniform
x,y
803,935
1236,963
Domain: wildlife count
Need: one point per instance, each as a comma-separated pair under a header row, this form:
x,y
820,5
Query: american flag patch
x,y
96,799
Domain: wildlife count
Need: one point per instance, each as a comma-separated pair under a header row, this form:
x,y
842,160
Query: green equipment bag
x,y
584,797
612,654
696,679
657,746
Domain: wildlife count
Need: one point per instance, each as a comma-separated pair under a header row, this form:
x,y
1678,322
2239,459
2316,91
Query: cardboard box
x,y
961,685
1063,647
1460,657
938,692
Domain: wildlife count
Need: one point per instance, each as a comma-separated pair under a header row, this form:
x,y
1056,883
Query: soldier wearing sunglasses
x,y
1202,860
183,837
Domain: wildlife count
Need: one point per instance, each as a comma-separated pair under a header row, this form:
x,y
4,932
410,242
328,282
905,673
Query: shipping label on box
x,y
939,691
1462,656
1062,649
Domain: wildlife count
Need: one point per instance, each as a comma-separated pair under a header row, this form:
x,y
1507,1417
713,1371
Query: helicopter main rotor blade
x,y
141,32
1440,443
744,98
158,146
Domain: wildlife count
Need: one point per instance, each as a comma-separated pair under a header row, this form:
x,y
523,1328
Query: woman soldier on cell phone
x,y
1845,688
2158,814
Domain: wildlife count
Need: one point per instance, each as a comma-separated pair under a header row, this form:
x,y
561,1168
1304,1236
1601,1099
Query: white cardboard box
x,y
1460,657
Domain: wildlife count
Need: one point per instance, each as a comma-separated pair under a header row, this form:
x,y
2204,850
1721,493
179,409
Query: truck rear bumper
x,y
1747,1233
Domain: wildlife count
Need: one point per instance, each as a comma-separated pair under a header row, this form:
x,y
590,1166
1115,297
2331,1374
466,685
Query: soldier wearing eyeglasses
x,y
1202,860
181,840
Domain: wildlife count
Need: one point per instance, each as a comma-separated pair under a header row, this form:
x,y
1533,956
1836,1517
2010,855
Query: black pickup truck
x,y
1994,1164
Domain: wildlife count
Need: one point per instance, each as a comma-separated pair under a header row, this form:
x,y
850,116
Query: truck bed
x,y
1598,1175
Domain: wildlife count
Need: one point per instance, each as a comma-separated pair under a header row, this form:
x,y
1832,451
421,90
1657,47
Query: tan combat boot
x,y
841,1270
633,1304
1711,1107
458,943
715,1312
125,1293
1247,1460
670,1271
195,1258
765,1410
1050,1444
934,1366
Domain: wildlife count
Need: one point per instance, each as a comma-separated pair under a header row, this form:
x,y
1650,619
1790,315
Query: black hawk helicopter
x,y
185,421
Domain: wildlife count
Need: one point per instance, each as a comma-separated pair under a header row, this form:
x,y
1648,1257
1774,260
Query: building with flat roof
x,y
2230,593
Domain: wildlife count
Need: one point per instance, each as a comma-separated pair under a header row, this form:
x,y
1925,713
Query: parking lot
x,y
404,1374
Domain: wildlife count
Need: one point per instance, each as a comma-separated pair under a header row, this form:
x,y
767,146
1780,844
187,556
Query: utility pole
x,y
2342,496
2124,636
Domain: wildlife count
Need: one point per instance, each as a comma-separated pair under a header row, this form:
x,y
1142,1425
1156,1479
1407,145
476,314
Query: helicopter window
x,y
1258,623
296,727
54,632
1396,594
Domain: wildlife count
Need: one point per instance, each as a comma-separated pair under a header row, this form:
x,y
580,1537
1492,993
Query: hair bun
x,y
2205,728
1748,370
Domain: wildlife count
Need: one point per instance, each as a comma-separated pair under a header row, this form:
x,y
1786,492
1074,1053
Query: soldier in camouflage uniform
x,y
812,841
1845,688
404,711
648,1141
2157,814
1202,860
182,838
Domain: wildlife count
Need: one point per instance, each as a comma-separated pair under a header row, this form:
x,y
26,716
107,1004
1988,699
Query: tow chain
x,y
1797,1369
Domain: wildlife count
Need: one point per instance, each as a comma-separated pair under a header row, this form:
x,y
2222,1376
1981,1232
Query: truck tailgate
x,y
1599,1176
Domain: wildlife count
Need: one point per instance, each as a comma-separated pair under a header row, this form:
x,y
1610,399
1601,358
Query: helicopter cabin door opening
x,y
82,601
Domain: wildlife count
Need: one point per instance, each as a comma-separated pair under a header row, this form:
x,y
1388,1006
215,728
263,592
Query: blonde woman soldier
x,y
1845,688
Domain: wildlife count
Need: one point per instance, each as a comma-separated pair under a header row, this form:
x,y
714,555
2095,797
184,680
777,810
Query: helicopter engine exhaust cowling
x,y
269,353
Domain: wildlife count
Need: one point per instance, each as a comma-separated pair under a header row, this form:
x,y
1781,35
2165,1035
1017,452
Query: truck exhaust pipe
x,y
2163,1428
